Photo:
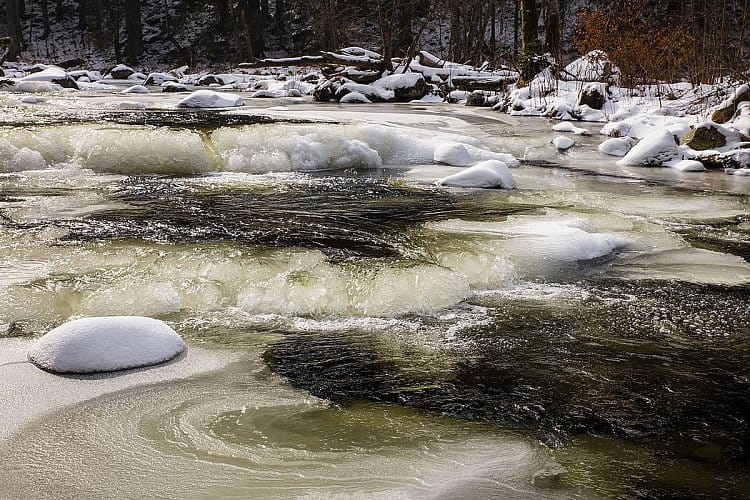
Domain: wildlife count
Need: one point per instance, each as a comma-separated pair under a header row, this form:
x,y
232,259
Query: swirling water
x,y
582,336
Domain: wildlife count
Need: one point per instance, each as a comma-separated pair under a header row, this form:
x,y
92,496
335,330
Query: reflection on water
x,y
429,339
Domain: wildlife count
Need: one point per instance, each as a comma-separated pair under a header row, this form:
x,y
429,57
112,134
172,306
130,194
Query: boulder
x,y
655,150
703,137
592,95
174,87
6,83
52,75
689,166
326,90
617,146
562,143
476,99
354,98
728,108
159,78
406,87
121,72
209,80
738,158
210,99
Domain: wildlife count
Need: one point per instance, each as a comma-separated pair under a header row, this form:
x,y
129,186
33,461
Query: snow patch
x,y
486,174
210,99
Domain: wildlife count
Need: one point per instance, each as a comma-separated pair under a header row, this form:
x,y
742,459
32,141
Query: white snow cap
x,y
210,99
654,150
689,166
485,174
563,143
136,89
569,127
459,154
104,344
617,146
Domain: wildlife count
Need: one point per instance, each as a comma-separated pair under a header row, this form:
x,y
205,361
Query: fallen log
x,y
471,83
324,59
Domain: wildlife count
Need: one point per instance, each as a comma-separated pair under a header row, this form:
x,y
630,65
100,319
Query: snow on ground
x,y
104,344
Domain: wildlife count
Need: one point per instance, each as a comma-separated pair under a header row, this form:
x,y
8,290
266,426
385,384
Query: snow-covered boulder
x,y
53,75
104,344
726,110
354,98
476,98
32,99
465,155
563,143
707,136
592,67
485,174
406,87
655,150
210,99
83,75
592,95
159,78
570,128
136,89
121,72
174,87
689,166
137,76
617,146
371,92
207,80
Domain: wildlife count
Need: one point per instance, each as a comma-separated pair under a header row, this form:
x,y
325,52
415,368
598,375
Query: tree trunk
x,y
241,52
134,44
255,24
14,28
59,11
82,4
552,28
529,21
45,19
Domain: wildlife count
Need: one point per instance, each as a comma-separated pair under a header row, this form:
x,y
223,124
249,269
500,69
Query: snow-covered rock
x,y
174,87
54,75
372,93
32,99
592,67
136,89
354,98
137,76
689,166
104,344
465,155
617,146
210,99
159,78
485,174
563,143
570,128
655,150
406,86
121,72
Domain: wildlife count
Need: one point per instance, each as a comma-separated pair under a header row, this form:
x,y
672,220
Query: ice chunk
x,y
210,99
103,344
486,174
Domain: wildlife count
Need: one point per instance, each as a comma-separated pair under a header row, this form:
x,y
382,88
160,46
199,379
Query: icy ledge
x,y
105,344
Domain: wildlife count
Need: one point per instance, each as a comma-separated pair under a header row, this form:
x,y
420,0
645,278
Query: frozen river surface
x,y
353,329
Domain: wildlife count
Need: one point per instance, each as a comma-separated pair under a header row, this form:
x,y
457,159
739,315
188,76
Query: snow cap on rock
x,y
103,344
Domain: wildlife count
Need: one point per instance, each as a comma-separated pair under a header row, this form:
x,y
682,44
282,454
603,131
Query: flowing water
x,y
583,336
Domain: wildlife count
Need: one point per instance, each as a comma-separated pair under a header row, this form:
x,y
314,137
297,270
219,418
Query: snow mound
x,y
103,344
465,155
486,174
592,67
210,99
617,146
32,99
136,89
37,87
570,128
562,143
689,166
655,150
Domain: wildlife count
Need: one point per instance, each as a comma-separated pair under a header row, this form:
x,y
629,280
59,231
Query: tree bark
x,y
552,28
133,28
254,22
82,4
14,28
45,18
529,21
